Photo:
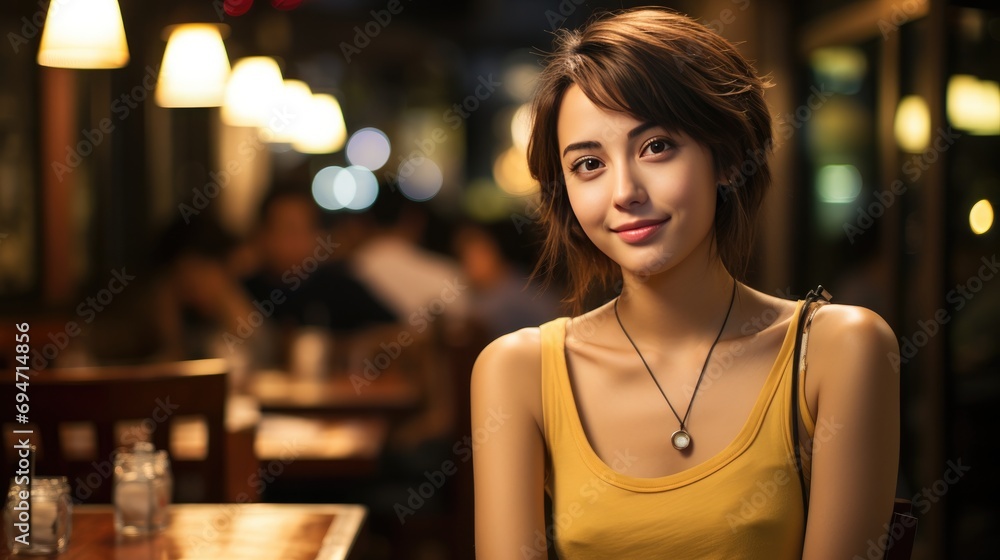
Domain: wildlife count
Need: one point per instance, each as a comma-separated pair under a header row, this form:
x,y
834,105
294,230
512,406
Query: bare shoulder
x,y
855,328
516,351
509,370
853,345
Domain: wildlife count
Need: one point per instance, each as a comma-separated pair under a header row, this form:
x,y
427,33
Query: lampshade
x,y
195,67
322,130
84,34
291,107
253,88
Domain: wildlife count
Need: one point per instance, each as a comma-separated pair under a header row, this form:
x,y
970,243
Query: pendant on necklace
x,y
681,439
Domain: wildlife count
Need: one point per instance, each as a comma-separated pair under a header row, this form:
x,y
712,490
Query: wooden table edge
x,y
337,544
343,533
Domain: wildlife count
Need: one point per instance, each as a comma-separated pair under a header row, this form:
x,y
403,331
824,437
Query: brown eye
x,y
586,164
657,146
654,147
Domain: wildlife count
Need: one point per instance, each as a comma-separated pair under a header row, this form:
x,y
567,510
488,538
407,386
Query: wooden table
x,y
221,532
321,447
301,448
390,392
297,446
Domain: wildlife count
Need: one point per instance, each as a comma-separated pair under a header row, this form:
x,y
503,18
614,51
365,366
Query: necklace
x,y
680,439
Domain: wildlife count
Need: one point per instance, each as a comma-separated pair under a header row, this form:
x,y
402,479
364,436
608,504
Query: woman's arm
x,y
854,374
508,447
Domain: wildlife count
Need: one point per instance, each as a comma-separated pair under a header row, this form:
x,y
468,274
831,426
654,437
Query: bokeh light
x,y
838,184
368,147
485,202
912,125
973,105
520,79
981,217
840,69
510,170
520,127
419,179
322,188
355,188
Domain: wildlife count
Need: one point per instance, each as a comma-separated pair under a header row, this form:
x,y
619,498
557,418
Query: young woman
x,y
659,423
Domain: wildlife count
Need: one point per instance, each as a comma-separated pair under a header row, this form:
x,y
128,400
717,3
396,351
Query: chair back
x,y
80,416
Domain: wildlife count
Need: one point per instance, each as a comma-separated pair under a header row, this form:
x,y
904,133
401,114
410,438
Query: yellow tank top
x,y
745,502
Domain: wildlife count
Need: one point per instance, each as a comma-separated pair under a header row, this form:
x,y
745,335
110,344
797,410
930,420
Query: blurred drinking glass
x,y
309,355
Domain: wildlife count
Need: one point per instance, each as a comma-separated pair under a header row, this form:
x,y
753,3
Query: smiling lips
x,y
637,232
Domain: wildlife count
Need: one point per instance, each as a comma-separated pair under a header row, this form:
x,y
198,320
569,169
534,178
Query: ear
x,y
724,178
723,184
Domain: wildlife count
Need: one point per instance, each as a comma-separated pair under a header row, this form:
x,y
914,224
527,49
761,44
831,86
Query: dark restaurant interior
x,y
186,279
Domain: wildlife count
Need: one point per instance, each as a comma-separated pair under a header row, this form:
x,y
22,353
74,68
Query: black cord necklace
x,y
681,439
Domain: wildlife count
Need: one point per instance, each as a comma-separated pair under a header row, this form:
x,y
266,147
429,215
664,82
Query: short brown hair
x,y
662,67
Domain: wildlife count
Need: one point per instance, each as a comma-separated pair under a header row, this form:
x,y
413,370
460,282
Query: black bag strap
x,y
902,525
805,318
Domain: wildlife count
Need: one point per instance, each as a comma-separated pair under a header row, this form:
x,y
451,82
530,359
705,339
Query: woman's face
x,y
644,195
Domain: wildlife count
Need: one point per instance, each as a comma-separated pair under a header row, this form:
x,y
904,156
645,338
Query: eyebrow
x,y
592,144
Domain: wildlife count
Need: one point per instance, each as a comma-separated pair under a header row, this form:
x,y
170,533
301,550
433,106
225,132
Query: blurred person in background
x,y
187,305
501,299
428,292
393,262
198,299
301,289
302,280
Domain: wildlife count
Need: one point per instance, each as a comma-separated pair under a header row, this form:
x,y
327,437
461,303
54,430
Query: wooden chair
x,y
81,415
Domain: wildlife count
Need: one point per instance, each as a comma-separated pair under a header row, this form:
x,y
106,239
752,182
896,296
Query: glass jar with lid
x,y
38,515
142,490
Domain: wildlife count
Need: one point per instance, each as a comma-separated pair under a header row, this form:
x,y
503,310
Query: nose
x,y
628,191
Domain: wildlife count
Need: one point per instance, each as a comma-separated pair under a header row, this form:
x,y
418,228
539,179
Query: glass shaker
x,y
44,528
142,490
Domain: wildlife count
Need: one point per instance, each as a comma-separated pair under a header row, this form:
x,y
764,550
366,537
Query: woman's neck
x,y
687,301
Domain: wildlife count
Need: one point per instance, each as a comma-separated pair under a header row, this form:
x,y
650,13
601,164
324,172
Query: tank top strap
x,y
553,340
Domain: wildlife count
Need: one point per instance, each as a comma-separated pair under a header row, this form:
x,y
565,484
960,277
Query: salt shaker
x,y
38,518
143,486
